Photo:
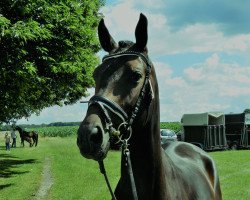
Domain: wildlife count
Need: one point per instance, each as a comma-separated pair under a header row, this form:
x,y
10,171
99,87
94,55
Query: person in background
x,y
13,136
7,141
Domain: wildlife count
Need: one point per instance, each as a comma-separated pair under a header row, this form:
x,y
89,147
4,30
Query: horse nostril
x,y
96,135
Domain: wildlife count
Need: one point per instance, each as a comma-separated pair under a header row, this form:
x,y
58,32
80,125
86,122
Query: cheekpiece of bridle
x,y
106,105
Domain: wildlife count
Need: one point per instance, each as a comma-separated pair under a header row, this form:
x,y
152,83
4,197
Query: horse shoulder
x,y
189,162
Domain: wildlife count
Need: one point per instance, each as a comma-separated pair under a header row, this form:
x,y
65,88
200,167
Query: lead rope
x,y
126,153
103,171
128,164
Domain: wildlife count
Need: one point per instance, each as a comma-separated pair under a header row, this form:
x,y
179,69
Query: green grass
x,y
234,171
19,172
77,178
73,176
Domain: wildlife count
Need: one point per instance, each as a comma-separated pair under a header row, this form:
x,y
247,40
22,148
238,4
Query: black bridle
x,y
108,106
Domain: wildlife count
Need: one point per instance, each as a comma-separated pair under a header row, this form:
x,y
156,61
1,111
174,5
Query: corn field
x,y
65,131
175,126
56,131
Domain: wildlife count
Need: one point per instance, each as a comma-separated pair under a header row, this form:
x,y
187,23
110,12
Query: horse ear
x,y
106,40
141,33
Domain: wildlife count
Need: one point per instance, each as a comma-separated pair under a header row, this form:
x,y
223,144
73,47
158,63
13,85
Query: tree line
x,y
8,127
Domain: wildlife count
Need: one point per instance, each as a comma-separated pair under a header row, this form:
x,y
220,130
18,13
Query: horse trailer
x,y
216,131
238,130
205,130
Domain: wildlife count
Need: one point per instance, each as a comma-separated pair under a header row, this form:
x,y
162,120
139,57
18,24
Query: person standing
x,y
7,141
13,136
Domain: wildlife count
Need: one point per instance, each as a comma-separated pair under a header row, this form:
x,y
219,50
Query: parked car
x,y
167,135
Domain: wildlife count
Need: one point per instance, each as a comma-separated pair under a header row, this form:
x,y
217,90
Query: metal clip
x,y
125,146
125,151
115,132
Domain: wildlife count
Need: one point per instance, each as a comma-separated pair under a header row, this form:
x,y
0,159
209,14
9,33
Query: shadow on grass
x,y
6,155
4,148
5,186
8,163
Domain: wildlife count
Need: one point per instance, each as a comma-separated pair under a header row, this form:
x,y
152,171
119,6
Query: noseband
x,y
106,104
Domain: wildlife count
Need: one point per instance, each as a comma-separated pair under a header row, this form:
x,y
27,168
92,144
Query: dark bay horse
x,y
126,106
31,137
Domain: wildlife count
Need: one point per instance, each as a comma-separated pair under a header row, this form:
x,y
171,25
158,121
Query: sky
x,y
200,50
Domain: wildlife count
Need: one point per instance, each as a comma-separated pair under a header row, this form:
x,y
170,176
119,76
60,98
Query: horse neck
x,y
20,132
146,153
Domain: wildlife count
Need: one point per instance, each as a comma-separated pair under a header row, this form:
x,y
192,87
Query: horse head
x,y
18,128
124,90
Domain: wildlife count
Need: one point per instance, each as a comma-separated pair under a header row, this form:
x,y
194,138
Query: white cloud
x,y
152,4
163,70
197,38
70,113
121,20
208,86
236,91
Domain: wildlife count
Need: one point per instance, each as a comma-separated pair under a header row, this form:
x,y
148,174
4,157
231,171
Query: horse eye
x,y
136,76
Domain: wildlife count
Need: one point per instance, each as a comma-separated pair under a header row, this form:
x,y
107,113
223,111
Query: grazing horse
x,y
30,137
126,106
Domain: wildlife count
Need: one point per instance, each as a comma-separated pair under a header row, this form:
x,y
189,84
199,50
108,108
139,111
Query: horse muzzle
x,y
92,141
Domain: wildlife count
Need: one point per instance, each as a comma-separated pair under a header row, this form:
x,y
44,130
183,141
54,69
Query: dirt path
x,y
46,183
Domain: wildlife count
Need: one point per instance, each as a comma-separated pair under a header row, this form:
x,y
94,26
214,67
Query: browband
x,y
128,53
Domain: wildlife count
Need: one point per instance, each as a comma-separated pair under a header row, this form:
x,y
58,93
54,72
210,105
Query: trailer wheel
x,y
234,147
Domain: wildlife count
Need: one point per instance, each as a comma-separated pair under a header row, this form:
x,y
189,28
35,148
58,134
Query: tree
x,y
47,53
247,110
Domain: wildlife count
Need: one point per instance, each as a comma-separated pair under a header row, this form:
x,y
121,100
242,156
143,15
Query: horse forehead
x,y
133,62
136,63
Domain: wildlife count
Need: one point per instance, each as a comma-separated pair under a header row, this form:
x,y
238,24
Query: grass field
x,y
21,172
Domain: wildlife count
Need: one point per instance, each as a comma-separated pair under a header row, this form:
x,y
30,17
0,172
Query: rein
x,y
107,106
126,153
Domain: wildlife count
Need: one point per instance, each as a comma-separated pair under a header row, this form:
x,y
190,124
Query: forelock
x,y
124,45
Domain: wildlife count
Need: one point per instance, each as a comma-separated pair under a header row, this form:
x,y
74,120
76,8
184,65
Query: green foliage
x,y
65,124
247,110
8,127
48,53
176,126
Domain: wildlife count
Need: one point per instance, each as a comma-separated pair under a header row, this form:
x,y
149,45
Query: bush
x,y
175,126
